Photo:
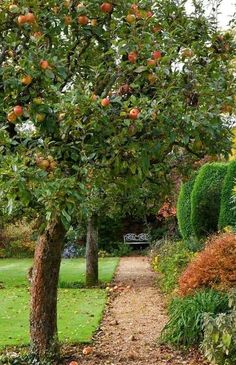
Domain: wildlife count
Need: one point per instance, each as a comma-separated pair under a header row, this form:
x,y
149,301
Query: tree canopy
x,y
85,87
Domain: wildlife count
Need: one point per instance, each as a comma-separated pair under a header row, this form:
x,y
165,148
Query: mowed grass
x,y
13,272
79,314
79,310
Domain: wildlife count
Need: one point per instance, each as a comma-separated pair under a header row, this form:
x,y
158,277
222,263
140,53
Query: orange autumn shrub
x,y
215,266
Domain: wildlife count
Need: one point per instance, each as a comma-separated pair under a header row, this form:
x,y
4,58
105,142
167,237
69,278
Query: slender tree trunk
x,y
45,276
92,252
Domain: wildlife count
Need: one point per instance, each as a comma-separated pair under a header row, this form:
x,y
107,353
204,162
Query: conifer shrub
x,y
227,207
205,199
184,209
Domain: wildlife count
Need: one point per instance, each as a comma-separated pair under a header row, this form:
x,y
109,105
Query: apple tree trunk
x,y
92,252
45,276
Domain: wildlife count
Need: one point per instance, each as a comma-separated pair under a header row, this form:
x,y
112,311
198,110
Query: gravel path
x,y
133,322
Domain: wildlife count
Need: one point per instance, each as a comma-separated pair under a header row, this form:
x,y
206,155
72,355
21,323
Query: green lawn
x,y
13,272
79,313
79,310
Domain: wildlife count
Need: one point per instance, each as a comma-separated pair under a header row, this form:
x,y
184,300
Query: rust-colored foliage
x,y
214,267
167,210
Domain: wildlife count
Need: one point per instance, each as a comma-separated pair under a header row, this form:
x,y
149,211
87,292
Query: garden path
x,y
133,321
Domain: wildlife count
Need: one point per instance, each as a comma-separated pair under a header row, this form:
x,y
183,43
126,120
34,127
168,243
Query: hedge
x,y
227,213
184,208
206,197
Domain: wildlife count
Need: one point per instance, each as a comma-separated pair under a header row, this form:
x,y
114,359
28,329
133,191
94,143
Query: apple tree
x,y
125,87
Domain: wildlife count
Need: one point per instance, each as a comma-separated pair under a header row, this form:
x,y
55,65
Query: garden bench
x,y
136,239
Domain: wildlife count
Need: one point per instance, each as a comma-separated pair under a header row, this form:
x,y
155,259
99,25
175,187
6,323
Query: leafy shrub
x,y
227,211
121,249
219,343
184,327
205,199
215,266
170,261
184,208
19,239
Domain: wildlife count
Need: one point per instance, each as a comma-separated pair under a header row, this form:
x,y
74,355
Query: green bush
x,y
219,344
184,209
170,261
227,211
184,327
206,197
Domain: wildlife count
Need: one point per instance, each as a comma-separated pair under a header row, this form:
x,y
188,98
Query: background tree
x,y
121,86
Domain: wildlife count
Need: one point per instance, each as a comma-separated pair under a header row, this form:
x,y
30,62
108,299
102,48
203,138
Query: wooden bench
x,y
136,239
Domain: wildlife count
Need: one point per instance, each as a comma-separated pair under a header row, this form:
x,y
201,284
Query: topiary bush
x,y
215,266
205,199
227,211
184,327
184,209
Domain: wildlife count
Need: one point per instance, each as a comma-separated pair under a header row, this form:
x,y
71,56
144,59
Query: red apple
x,y
18,110
105,102
83,20
132,57
30,18
134,113
26,80
21,19
73,363
156,55
151,63
106,7
44,64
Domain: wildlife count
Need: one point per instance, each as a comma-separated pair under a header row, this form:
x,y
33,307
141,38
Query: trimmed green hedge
x,y
184,208
206,197
227,213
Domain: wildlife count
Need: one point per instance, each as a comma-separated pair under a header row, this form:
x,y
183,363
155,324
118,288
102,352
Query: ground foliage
x,y
185,325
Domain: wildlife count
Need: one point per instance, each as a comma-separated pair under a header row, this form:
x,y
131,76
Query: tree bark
x,y
45,276
92,252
